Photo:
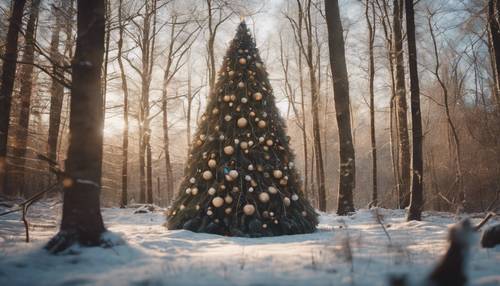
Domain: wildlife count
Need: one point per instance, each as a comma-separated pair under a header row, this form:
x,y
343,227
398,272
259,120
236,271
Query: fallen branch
x,y
484,221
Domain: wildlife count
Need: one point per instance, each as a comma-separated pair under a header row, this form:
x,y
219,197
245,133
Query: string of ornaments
x,y
240,178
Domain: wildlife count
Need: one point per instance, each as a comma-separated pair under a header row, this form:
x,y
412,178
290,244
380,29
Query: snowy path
x,y
156,256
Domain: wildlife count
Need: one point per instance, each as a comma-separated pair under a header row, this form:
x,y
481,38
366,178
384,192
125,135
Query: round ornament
x,y
249,209
286,201
194,191
264,197
243,145
241,84
215,111
207,175
262,124
269,142
257,96
228,199
295,197
217,202
192,180
228,117
242,61
233,174
228,150
272,190
277,174
212,163
211,191
242,122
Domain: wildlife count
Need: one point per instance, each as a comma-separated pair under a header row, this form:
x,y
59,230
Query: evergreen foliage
x,y
240,178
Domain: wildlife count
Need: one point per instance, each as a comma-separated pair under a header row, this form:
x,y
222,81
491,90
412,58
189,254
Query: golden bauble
x,y
233,97
233,174
215,111
244,145
194,191
277,174
249,209
231,73
269,142
212,163
217,202
286,201
241,84
272,190
257,96
228,199
228,210
262,124
228,150
242,122
242,61
226,98
207,175
264,197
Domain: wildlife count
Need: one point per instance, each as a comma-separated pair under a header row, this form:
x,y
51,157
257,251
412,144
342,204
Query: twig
x,y
484,221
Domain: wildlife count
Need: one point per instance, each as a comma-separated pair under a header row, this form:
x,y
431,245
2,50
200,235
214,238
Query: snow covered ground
x,y
351,250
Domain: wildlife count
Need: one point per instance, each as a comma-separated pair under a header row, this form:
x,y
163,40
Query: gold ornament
x,y
207,175
233,97
272,190
228,150
242,61
212,163
231,73
243,145
257,96
194,191
226,98
217,202
215,111
241,84
262,124
286,201
228,199
269,142
277,174
249,209
264,197
228,210
233,174
211,191
242,122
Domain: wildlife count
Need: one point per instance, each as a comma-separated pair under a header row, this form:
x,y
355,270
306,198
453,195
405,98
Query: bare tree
x,y
416,192
123,76
17,172
7,85
342,107
81,220
371,24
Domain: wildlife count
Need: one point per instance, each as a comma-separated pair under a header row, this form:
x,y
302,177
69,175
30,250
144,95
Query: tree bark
x,y
81,220
56,89
124,194
401,108
7,85
342,104
371,78
494,34
416,192
19,150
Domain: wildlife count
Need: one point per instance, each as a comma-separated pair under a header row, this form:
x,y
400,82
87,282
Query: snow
x,y
352,250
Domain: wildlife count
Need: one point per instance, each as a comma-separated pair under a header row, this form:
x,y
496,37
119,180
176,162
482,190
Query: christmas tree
x,y
240,178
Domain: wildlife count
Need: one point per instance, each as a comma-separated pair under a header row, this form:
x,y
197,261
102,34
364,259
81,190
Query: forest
x,y
247,142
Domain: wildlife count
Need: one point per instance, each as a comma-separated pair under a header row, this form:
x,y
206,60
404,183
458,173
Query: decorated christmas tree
x,y
240,178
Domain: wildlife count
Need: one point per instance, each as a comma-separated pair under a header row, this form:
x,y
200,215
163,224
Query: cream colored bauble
x,y
241,84
209,212
228,150
194,191
228,199
233,174
242,122
286,201
248,178
283,182
249,209
192,180
272,190
243,145
207,175
295,197
262,124
264,197
257,96
244,100
215,111
226,98
261,139
228,210
269,142
250,190
250,167
211,191
228,117
188,191
242,61
212,163
277,174
231,73
252,114
233,97
217,202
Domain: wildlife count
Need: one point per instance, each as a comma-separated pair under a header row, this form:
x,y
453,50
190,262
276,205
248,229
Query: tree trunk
x,y
166,145
371,75
401,109
7,86
124,195
56,89
416,192
17,169
81,220
494,34
341,98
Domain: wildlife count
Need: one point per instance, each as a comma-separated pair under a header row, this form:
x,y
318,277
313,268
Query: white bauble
x,y
228,199
286,201
188,191
207,175
192,180
211,191
295,197
194,191
277,174
233,174
243,145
